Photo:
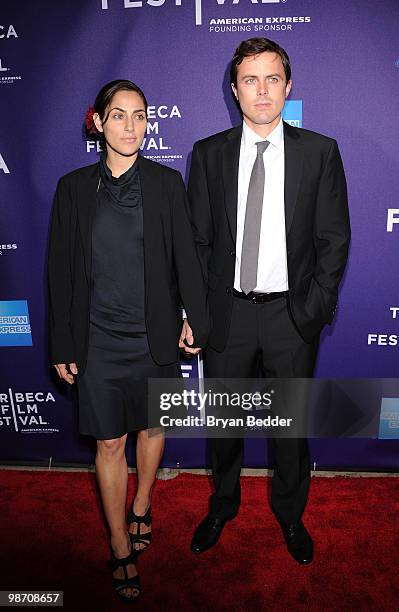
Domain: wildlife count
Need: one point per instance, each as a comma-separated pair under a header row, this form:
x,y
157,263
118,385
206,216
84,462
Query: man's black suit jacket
x,y
316,220
173,274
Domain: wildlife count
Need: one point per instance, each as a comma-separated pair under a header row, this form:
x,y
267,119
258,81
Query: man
x,y
270,218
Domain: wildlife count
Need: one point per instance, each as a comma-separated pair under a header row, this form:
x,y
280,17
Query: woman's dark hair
x,y
106,93
255,46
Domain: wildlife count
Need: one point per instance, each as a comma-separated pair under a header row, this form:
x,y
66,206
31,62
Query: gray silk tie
x,y
253,217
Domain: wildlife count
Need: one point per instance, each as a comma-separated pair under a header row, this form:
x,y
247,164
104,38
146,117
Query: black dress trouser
x,y
264,339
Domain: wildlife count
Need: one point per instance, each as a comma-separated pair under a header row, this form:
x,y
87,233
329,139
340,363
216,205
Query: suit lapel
x,y
230,158
293,155
87,191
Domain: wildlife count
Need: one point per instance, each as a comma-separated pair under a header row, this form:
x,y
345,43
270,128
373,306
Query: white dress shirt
x,y
272,259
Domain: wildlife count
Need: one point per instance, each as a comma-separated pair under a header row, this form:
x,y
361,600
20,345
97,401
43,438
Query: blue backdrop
x,y
54,57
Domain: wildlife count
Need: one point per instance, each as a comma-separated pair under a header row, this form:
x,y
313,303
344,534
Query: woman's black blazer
x,y
172,271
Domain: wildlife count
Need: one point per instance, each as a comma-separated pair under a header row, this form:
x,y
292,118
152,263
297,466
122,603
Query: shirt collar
x,y
250,138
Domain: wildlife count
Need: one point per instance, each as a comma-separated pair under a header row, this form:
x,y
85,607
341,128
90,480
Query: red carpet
x,y
53,537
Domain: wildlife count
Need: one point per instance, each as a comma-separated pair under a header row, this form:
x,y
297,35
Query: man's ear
x,y
234,90
288,88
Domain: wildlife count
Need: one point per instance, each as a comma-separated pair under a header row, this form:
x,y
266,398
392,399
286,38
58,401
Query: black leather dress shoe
x,y
299,543
207,533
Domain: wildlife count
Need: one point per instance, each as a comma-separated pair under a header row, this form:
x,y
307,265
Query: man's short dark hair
x,y
255,46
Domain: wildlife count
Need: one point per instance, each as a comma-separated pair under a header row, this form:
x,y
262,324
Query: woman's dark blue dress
x,y
113,387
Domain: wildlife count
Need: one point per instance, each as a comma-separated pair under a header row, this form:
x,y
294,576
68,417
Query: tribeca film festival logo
x,y
7,32
24,412
385,339
15,329
388,339
258,25
154,146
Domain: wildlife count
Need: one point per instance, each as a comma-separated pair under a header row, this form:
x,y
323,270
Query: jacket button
x,y
228,290
232,253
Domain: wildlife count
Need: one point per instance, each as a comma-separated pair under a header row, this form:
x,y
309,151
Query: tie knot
x,y
262,146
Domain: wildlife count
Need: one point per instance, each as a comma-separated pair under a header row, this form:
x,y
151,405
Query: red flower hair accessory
x,y
90,125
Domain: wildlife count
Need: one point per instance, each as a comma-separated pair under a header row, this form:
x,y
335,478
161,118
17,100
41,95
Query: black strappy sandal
x,y
125,583
140,538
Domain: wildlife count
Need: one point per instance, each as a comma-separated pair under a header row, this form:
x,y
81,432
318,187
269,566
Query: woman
x,y
122,263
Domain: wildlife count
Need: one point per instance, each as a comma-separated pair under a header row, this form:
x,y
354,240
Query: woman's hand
x,y
187,335
62,371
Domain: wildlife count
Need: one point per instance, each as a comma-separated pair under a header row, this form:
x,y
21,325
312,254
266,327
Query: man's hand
x,y
187,335
62,371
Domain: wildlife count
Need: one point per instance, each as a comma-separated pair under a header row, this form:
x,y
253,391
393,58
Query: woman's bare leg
x,y
149,449
112,474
